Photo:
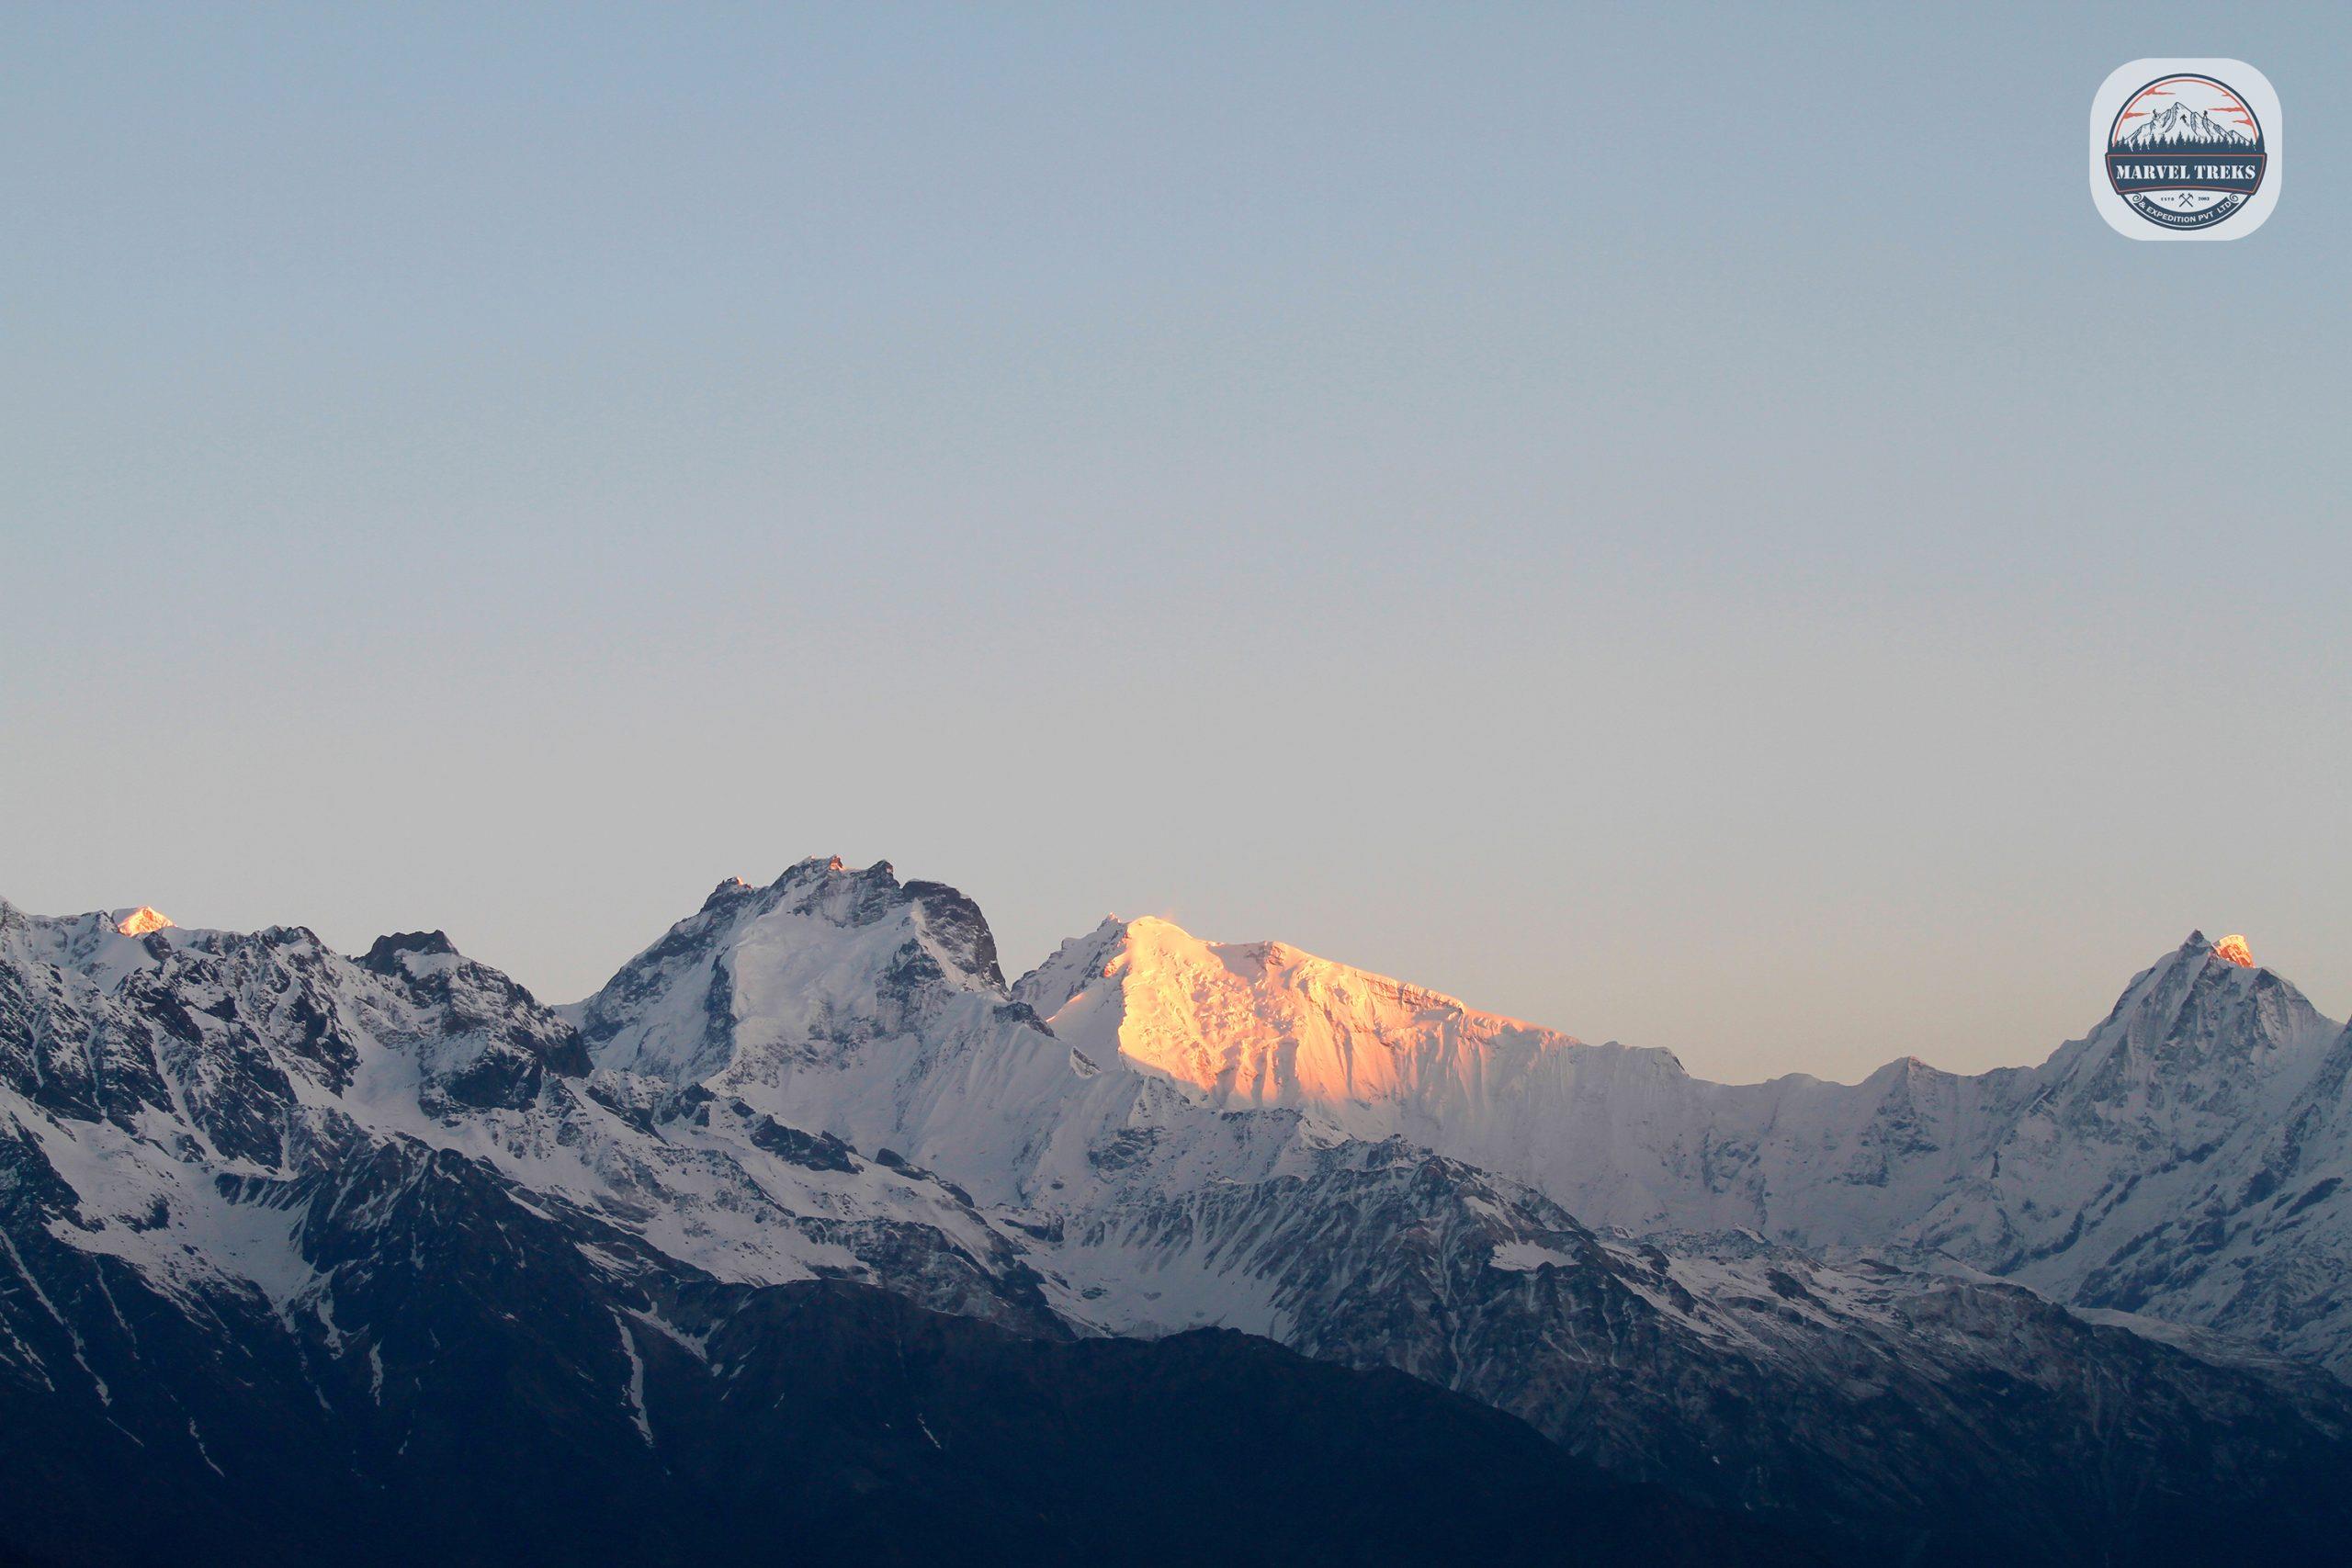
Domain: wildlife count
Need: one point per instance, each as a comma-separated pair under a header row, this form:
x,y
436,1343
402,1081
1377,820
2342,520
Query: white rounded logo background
x,y
2244,81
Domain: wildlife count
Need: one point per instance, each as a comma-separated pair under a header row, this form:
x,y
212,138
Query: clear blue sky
x,y
1678,522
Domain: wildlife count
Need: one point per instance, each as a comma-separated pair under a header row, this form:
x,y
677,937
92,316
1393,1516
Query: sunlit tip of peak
x,y
2233,949
141,920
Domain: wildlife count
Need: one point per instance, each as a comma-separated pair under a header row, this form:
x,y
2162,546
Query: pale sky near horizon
x,y
1679,524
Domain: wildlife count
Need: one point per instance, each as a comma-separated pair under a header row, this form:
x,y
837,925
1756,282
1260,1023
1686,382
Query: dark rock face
x,y
818,1151
955,923
383,953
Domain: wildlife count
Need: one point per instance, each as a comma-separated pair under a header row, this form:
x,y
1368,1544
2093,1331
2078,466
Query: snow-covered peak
x,y
734,887
817,965
1071,967
109,946
1265,1024
141,920
2204,1009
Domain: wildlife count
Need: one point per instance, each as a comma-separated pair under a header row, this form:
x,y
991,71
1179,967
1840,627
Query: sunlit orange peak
x,y
2234,949
141,920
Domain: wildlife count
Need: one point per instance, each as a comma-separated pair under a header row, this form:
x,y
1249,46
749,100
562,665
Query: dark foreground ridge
x,y
832,1422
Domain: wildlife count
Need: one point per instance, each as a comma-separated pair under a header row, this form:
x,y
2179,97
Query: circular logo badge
x,y
2186,151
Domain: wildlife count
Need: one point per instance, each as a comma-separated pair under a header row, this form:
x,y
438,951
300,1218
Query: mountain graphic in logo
x,y
2177,127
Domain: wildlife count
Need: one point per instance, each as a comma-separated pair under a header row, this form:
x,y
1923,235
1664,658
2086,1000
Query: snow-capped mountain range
x,y
2081,1312
2185,1159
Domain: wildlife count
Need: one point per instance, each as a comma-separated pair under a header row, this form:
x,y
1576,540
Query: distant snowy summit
x,y
2233,948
